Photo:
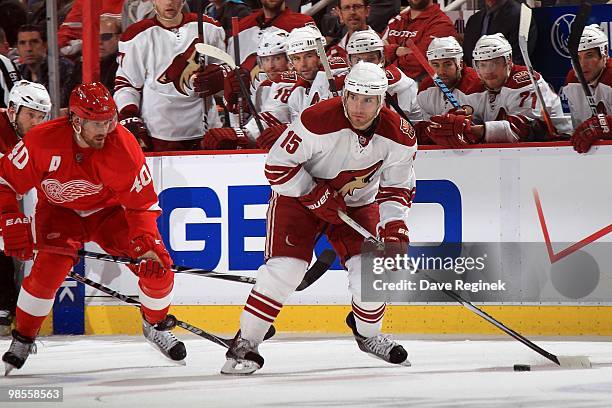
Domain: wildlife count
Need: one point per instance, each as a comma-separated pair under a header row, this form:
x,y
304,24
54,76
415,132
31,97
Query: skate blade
x,y
239,367
405,363
574,361
8,368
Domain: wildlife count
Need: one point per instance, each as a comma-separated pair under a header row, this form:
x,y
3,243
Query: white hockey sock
x,y
258,314
368,317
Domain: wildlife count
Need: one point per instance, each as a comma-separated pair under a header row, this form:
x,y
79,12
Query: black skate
x,y
161,338
6,319
380,346
21,347
242,357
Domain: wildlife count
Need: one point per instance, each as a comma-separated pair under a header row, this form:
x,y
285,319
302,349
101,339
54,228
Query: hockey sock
x,y
155,296
368,317
258,314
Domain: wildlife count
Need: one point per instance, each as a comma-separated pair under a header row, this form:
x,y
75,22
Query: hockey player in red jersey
x,y
505,106
28,105
597,69
359,160
445,56
93,185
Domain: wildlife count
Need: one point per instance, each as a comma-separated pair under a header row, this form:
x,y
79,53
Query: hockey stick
x,y
391,101
216,53
318,268
562,361
202,57
430,71
193,329
326,67
574,41
243,90
525,22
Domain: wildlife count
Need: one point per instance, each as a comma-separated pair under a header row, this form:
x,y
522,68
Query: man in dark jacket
x,y
497,16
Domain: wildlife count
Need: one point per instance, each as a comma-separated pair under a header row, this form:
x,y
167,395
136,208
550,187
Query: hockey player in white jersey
x,y
270,83
153,88
367,46
445,56
597,69
359,159
505,102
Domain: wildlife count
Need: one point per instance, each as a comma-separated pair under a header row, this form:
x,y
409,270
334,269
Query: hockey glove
x,y
587,133
269,136
129,117
209,80
224,139
155,260
451,130
324,202
232,91
17,234
395,237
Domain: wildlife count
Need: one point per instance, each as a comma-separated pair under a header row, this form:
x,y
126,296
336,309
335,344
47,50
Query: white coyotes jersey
x,y
506,114
155,68
602,93
404,90
433,102
362,170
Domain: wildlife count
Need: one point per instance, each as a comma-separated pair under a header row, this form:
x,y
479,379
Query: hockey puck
x,y
522,367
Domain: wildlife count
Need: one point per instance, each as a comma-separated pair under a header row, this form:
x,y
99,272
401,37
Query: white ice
x,y
315,372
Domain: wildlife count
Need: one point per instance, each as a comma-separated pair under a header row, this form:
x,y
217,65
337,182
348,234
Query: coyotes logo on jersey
x,y
181,68
346,182
59,193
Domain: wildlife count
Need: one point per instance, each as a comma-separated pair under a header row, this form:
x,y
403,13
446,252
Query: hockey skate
x,y
242,357
380,346
21,347
6,319
159,336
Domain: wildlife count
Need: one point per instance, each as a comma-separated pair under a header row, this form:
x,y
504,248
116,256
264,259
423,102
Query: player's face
x,y
361,109
373,56
592,63
32,49
492,72
353,14
419,4
447,70
306,64
168,9
109,38
27,118
94,132
272,5
273,65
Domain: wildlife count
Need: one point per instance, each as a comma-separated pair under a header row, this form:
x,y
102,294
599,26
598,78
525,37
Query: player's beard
x,y
418,4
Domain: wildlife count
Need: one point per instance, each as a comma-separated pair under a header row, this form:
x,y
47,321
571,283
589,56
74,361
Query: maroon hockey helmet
x,y
92,102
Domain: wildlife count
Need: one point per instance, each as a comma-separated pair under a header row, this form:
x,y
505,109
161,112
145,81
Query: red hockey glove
x,y
587,133
450,130
224,139
232,92
209,80
421,128
324,202
395,237
129,117
156,261
17,234
269,136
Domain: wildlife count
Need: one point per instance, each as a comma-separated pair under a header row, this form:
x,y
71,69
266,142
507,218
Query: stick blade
x,y
577,27
525,21
574,362
214,52
321,265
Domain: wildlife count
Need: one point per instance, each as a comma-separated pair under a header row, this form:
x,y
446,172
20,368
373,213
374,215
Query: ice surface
x,y
113,371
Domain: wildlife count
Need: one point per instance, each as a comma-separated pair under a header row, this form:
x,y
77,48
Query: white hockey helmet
x,y
272,43
364,41
303,39
366,78
492,46
31,95
445,47
594,37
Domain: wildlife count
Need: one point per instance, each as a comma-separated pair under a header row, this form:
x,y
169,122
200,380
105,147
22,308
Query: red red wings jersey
x,y
363,171
254,25
84,180
432,100
513,114
601,91
8,137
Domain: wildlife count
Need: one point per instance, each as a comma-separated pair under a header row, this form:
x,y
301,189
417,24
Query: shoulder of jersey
x,y
606,76
121,149
426,83
337,63
290,77
193,18
519,77
391,126
54,134
137,28
293,20
330,109
394,74
470,81
300,83
249,21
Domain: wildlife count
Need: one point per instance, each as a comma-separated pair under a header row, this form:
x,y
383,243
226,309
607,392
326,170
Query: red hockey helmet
x,y
92,102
